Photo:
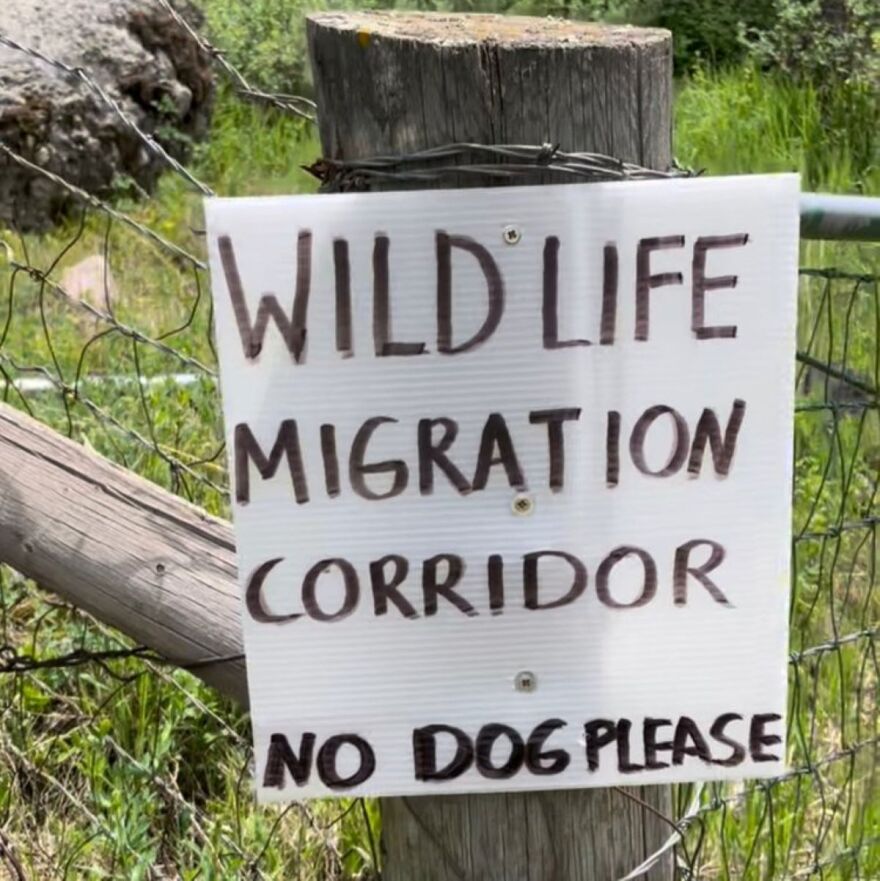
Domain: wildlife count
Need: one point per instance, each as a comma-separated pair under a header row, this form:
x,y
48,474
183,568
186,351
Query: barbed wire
x,y
492,162
295,104
82,76
12,662
108,318
94,202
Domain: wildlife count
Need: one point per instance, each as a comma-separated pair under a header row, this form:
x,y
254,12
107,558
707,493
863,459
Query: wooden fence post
x,y
390,83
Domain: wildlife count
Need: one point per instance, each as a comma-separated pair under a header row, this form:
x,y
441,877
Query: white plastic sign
x,y
512,476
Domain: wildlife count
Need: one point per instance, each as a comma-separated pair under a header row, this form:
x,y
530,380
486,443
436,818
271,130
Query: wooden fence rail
x,y
133,555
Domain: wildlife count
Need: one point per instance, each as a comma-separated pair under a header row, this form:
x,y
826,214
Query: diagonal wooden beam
x,y
132,554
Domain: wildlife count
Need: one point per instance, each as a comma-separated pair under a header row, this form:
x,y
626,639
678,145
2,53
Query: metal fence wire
x,y
113,764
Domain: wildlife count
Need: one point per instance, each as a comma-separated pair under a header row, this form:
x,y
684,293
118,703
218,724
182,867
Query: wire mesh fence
x,y
822,818
117,765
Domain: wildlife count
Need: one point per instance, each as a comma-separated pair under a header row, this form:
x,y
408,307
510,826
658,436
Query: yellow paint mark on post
x,y
363,38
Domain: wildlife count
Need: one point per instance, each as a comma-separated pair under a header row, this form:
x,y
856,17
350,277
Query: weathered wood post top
x,y
398,82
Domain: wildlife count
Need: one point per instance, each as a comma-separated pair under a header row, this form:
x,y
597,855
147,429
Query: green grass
x,y
119,775
743,120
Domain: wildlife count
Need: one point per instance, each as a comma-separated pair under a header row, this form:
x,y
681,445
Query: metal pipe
x,y
845,218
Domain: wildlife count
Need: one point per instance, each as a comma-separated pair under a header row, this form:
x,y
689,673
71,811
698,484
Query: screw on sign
x,y
511,235
526,681
523,504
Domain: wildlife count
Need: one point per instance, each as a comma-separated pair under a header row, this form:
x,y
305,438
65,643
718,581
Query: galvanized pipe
x,y
845,218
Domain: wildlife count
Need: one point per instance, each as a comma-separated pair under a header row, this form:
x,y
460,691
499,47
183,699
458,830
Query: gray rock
x,y
138,54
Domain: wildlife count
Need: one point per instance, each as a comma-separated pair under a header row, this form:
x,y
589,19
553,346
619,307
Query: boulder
x,y
139,55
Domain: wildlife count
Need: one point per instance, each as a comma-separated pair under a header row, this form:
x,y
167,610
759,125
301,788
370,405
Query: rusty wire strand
x,y
95,87
71,394
13,662
298,105
94,202
452,162
121,327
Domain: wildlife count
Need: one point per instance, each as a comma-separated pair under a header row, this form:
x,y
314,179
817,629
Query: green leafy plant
x,y
832,47
824,41
264,38
704,31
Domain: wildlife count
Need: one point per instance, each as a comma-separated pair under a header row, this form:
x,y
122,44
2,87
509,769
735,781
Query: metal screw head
x,y
525,681
522,505
511,235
